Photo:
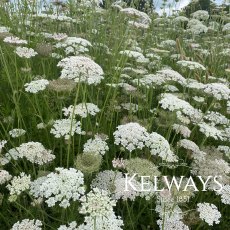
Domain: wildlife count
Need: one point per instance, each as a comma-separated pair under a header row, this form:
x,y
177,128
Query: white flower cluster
x,y
124,190
192,65
131,136
198,29
15,40
55,17
62,186
159,146
225,149
2,144
172,103
36,86
168,44
201,15
181,129
56,36
17,132
18,185
4,29
180,19
226,27
225,194
27,224
34,152
25,52
172,224
138,25
111,221
209,213
150,80
83,110
218,91
81,69
4,176
225,52
138,16
216,118
74,45
210,131
97,203
161,77
96,146
172,75
191,146
139,57
70,226
131,107
105,180
66,128
170,216
193,22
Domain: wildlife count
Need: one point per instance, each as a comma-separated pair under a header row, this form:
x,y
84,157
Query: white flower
x,y
111,222
159,146
131,107
171,75
36,86
73,45
138,25
60,186
59,36
172,103
123,190
2,144
225,194
168,44
139,57
66,128
18,185
209,213
131,136
55,17
225,149
105,180
27,224
210,131
183,130
81,69
198,99
25,52
4,29
191,65
82,110
97,203
34,152
17,132
71,226
15,40
226,27
180,19
200,15
217,90
96,146
216,118
138,15
189,145
4,176
172,224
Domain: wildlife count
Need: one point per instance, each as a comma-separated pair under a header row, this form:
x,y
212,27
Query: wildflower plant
x,y
113,117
